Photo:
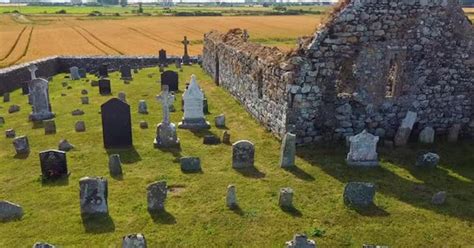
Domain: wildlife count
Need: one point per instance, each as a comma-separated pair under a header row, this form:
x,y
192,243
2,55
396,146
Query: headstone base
x,y
194,124
368,163
126,78
41,116
166,136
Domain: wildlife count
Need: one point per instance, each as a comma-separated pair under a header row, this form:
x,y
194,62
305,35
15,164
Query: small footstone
x,y
43,245
156,196
143,124
49,126
10,211
359,194
300,241
21,145
231,199
65,146
115,165
84,92
134,241
211,140
428,160
85,100
13,108
80,126
94,83
77,112
439,198
142,107
2,120
10,133
226,137
190,164
220,120
286,198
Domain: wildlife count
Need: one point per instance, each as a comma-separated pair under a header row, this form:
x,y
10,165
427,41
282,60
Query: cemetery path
x,y
14,44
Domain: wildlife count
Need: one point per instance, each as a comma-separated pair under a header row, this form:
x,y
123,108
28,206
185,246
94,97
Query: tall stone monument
x,y
193,108
166,131
186,58
39,96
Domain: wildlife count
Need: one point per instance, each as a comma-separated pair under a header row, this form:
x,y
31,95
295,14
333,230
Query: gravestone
x,y
231,198
439,198
428,160
161,68
134,241
186,58
49,126
359,194
104,87
21,145
122,96
125,73
80,126
116,124
2,120
84,92
53,164
32,68
211,140
6,97
74,73
82,73
226,137
13,109
65,146
25,90
43,245
77,112
453,133
243,153
193,108
285,199
162,59
220,121
40,100
84,99
103,71
93,195
427,135
363,150
171,79
94,83
288,151
190,164
166,131
404,131
156,196
142,107
115,165
10,133
10,211
143,124
300,241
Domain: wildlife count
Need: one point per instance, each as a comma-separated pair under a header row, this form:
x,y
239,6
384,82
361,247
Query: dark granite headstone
x,y
162,59
103,71
170,78
53,164
126,72
104,87
116,124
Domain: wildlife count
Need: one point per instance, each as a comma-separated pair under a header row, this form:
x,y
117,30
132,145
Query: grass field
x,y
196,214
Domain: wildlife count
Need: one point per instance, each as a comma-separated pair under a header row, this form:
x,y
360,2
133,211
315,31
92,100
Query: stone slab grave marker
x,y
285,199
156,196
193,108
21,144
43,245
226,137
103,71
13,109
115,165
171,79
104,87
74,73
122,96
10,133
211,140
166,131
231,198
126,73
2,120
427,160
220,121
243,153
10,211
190,164
65,146
93,195
300,241
359,194
40,100
404,131
116,124
142,107
53,164
427,135
84,100
288,151
82,73
186,58
134,241
6,97
143,124
49,126
80,126
363,150
162,58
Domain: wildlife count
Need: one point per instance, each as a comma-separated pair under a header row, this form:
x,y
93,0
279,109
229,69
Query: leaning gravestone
x,y
125,72
300,241
116,124
166,136
74,73
359,194
40,100
170,78
243,153
103,71
65,146
288,151
363,150
134,241
10,211
193,108
104,87
21,145
404,131
53,164
220,121
156,196
93,195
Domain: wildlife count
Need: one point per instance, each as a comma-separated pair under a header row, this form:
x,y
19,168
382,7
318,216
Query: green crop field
x,y
196,215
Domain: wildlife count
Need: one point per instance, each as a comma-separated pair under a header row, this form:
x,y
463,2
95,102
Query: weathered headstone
x,y
211,140
231,198
288,151
193,108
171,79
82,73
404,131
162,59
10,211
122,96
125,72
285,199
93,195
84,99
166,131
190,164
363,150
428,160
103,71
116,124
53,164
77,112
6,97
453,133
156,196
10,133
80,126
220,121
186,58
65,146
2,120
439,198
74,73
134,241
104,87
300,241
142,107
40,100
49,126
43,245
226,137
143,124
115,165
13,108
243,153
21,144
427,135
359,194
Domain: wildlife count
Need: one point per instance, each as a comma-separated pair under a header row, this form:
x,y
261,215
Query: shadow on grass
x,y
446,177
372,211
97,223
127,155
21,155
61,181
237,210
292,211
200,171
202,132
175,151
117,177
299,173
37,124
162,217
251,172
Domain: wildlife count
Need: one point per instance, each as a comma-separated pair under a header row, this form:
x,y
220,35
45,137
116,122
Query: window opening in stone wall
x,y
346,80
216,73
260,84
392,79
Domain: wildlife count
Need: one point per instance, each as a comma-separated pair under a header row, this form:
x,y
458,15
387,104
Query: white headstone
x,y
363,150
74,71
193,107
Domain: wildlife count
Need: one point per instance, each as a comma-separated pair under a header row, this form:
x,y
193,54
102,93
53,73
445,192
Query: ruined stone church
x,y
369,64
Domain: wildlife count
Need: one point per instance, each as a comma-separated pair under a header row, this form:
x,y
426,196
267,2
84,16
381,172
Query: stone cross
x,y
185,43
33,68
245,35
166,100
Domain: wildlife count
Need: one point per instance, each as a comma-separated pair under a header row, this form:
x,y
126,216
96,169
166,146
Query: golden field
x,y
25,38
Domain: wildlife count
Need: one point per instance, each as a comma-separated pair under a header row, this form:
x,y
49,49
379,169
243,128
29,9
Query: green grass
x,y
196,214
